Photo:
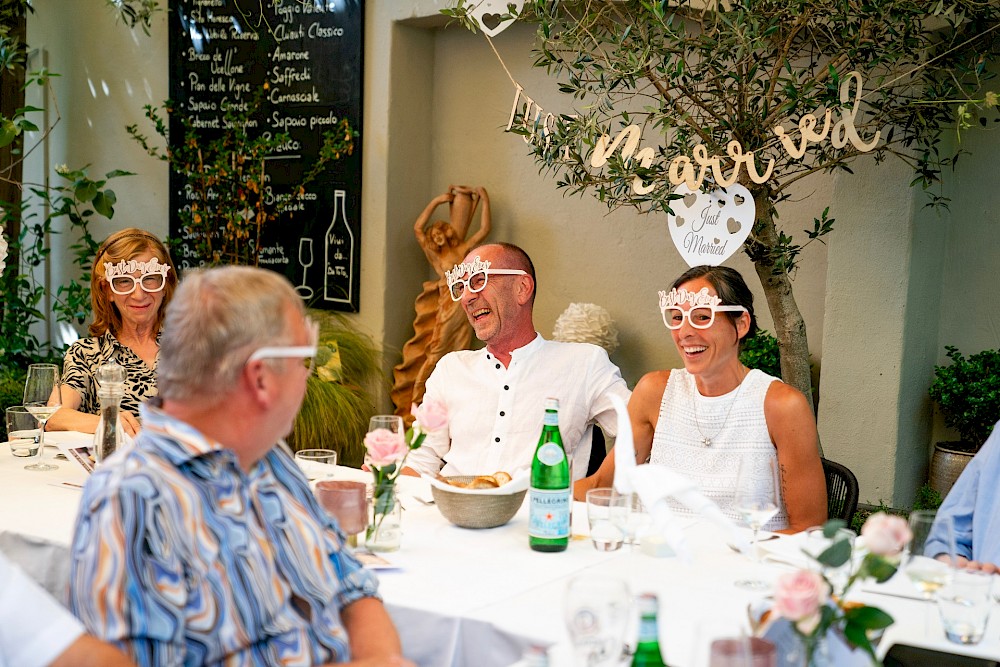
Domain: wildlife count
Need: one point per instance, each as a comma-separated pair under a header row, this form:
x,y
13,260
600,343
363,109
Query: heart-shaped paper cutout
x,y
487,14
491,21
709,227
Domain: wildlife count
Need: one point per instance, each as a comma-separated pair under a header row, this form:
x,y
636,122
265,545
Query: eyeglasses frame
x,y
486,272
291,351
137,283
686,314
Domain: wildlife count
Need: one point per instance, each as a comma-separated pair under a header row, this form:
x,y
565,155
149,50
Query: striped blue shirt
x,y
179,557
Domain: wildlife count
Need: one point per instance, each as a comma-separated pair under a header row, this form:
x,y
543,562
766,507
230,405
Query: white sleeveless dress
x,y
736,426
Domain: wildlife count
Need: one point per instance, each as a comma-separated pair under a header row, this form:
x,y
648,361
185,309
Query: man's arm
x,y
89,652
117,589
429,458
373,637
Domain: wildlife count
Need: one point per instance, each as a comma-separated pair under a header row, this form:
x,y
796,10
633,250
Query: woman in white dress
x,y
703,420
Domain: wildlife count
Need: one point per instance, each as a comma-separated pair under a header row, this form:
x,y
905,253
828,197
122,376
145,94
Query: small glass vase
x,y
810,652
385,528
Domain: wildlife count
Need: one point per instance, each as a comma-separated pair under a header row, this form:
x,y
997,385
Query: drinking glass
x,y
316,463
924,570
42,398
816,542
965,604
348,503
597,611
22,431
607,514
392,423
639,521
756,501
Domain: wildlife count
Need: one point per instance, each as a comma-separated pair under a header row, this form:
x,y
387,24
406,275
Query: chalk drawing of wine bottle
x,y
339,247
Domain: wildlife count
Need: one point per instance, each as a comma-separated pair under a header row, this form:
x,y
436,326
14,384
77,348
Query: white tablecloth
x,y
479,597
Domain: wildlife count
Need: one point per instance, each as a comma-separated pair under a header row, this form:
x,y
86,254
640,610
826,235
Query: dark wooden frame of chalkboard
x,y
310,55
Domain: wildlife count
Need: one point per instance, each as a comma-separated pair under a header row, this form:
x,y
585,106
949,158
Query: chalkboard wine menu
x,y
308,55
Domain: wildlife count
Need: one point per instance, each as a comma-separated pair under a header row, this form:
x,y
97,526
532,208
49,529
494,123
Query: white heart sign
x,y
488,13
708,227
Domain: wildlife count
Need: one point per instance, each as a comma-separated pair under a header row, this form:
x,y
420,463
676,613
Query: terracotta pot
x,y
947,463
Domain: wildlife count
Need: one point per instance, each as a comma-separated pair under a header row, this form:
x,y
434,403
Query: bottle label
x,y
548,515
648,630
551,418
551,454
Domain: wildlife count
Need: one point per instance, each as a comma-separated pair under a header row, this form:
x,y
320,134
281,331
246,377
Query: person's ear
x,y
525,288
257,381
742,326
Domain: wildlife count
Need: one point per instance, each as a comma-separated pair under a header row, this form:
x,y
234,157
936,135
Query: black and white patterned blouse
x,y
86,355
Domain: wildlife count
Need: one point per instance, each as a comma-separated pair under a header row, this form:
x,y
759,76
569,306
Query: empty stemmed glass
x,y
756,501
42,398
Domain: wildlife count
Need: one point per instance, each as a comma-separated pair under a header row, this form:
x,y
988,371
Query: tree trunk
x,y
789,327
11,99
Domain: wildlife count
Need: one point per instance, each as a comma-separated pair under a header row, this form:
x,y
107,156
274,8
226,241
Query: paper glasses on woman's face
x,y
702,308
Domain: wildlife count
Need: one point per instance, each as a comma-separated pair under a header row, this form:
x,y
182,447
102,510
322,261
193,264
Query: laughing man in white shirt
x,y
495,396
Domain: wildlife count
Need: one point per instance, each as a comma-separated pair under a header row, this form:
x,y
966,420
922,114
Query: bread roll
x,y
483,482
501,477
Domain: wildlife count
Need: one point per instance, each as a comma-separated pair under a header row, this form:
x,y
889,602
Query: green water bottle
x,y
647,652
550,498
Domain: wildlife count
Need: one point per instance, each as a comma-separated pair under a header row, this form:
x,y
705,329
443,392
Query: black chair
x,y
841,491
598,450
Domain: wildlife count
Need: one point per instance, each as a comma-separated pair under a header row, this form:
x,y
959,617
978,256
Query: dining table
x,y
482,597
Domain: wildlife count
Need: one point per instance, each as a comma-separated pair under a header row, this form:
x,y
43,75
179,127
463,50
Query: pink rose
x,y
798,596
432,416
384,447
886,534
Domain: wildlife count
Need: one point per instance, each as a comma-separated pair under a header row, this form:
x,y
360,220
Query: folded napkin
x,y
654,484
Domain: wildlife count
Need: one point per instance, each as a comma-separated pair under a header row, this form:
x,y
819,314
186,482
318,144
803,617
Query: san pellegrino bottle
x,y
550,496
647,652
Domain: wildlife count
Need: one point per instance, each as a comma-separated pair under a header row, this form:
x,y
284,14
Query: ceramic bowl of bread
x,y
481,501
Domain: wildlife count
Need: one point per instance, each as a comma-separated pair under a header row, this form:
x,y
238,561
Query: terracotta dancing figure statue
x,y
440,325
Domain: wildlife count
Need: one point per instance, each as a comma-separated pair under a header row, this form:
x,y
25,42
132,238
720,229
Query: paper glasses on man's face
x,y
479,272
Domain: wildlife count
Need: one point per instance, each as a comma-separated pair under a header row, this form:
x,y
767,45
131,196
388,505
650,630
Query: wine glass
x,y
756,501
933,537
305,260
922,565
42,398
392,423
597,611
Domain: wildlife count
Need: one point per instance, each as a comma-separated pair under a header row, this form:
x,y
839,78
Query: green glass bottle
x,y
647,652
550,497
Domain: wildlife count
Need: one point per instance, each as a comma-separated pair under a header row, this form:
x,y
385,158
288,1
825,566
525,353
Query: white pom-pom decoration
x,y
587,323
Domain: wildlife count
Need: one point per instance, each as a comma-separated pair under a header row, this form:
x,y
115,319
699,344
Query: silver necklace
x,y
706,440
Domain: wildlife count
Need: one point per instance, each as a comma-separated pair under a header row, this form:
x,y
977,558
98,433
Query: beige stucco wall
x,y
435,103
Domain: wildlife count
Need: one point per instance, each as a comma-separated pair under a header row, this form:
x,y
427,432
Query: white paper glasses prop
x,y
479,271
490,14
153,276
701,315
597,611
709,227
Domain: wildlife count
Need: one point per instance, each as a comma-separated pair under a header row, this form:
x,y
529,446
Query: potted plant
x,y
967,392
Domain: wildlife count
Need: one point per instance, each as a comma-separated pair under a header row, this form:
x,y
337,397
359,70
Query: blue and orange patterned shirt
x,y
179,557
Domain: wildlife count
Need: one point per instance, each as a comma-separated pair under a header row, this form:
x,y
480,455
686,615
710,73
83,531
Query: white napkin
x,y
654,484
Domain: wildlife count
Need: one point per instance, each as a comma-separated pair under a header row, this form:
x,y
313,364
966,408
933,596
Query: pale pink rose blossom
x,y
385,447
886,534
798,596
431,416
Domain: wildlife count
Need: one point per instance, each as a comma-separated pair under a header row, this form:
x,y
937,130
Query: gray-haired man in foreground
x,y
203,543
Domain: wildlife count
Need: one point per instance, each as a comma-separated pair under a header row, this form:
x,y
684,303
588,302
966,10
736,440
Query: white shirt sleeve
x,y
429,458
34,628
